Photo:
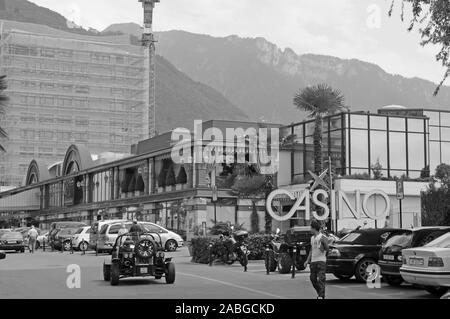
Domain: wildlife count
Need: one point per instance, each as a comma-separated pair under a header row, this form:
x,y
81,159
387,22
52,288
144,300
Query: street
x,y
44,275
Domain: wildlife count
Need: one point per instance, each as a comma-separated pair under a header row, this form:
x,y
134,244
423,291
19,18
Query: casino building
x,y
86,187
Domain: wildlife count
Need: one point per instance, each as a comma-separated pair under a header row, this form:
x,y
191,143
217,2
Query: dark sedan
x,y
2,254
63,239
351,255
12,241
390,259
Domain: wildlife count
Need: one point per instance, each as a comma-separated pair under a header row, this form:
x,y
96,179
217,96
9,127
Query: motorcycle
x,y
272,252
231,248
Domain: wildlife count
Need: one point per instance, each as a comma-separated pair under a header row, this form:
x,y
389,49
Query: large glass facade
x,y
439,128
355,142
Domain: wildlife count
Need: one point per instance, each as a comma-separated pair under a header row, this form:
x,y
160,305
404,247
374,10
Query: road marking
x,y
234,285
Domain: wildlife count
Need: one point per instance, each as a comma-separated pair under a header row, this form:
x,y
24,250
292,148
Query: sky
x,y
348,29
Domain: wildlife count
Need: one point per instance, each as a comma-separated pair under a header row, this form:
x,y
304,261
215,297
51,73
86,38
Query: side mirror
x,y
2,255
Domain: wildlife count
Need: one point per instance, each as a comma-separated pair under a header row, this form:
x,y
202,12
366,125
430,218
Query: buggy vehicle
x,y
298,240
138,255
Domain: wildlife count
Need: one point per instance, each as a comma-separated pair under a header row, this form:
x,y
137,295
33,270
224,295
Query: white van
x,y
95,230
109,232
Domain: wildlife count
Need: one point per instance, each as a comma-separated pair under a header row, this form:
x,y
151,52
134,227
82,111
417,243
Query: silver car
x,y
109,232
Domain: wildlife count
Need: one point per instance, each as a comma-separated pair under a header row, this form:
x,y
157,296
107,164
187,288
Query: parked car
x,y
80,240
4,231
40,240
12,241
97,227
57,226
2,254
390,259
351,255
299,237
63,239
429,266
108,234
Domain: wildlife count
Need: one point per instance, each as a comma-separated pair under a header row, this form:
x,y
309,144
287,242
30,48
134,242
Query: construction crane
x,y
148,41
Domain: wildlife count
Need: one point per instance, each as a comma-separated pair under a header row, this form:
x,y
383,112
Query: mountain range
x,y
262,79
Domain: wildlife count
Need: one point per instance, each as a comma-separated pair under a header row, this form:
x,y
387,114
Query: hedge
x,y
200,247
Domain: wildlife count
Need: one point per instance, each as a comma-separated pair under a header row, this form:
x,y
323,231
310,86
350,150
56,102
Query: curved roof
x,y
37,172
79,156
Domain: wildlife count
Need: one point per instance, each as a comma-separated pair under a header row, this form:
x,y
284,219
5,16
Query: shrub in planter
x,y
200,247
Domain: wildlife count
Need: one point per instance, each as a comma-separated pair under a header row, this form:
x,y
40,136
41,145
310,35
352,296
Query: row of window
x,y
61,54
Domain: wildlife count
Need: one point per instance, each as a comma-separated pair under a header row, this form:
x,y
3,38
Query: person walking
x,y
317,259
32,238
135,230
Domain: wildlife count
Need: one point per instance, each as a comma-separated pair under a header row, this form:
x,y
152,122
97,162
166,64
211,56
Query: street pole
x,y
401,213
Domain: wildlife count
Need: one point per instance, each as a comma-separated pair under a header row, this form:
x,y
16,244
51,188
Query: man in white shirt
x,y
32,238
318,259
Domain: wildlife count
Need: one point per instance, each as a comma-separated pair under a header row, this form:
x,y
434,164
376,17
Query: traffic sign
x,y
400,189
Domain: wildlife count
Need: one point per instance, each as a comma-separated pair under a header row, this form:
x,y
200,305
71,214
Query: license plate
x,y
303,252
388,257
416,261
144,270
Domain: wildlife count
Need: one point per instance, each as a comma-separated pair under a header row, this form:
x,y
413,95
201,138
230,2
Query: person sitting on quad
x,y
135,231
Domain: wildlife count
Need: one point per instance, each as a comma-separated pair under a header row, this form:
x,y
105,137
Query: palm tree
x,y
319,100
3,100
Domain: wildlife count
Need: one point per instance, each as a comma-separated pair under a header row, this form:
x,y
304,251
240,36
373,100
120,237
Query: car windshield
x,y
441,242
12,235
361,238
350,238
67,231
401,240
79,231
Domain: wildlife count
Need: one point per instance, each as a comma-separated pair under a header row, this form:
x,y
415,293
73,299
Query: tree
x,y
443,173
182,176
319,101
436,199
170,178
377,170
433,18
3,102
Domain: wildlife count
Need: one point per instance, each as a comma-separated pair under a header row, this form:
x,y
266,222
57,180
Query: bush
x,y
162,178
200,250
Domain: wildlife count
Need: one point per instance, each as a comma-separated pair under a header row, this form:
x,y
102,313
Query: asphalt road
x,y
45,275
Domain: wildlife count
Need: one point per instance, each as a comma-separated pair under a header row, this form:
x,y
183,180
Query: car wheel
x,y
106,272
67,246
83,246
171,245
437,291
284,263
361,269
115,274
170,273
343,277
393,281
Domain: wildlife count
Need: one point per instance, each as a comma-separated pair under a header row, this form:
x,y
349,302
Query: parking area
x,y
47,274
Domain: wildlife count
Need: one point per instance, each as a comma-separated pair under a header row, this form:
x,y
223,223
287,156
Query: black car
x,y
57,226
351,255
12,241
2,254
63,239
298,237
390,259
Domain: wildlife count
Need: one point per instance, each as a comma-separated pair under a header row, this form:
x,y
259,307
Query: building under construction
x,y
67,88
